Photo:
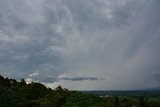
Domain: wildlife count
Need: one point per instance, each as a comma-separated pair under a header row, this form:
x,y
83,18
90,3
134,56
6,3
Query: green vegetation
x,y
20,94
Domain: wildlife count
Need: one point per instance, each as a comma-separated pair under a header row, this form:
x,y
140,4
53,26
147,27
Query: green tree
x,y
116,101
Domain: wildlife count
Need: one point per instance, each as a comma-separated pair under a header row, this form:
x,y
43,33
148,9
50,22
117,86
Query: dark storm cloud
x,y
51,80
80,78
75,41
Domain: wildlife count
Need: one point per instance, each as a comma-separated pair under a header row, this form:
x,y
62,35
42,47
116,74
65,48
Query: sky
x,y
81,44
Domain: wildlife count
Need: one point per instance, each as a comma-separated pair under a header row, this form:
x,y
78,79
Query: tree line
x,y
15,93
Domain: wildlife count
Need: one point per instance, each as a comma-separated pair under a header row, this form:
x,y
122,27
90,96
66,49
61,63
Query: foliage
x,y
21,94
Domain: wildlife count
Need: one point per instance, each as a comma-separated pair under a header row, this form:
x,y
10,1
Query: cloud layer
x,y
116,41
52,80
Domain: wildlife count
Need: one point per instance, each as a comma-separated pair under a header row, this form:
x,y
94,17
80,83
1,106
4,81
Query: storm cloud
x,y
51,80
74,41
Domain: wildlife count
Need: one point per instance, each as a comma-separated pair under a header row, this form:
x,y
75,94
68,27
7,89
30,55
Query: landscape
x,y
20,94
79,53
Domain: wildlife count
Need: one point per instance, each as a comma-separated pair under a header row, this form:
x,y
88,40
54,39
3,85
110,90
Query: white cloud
x,y
34,74
28,80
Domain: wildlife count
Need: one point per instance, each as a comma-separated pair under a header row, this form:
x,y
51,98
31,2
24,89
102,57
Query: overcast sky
x,y
81,44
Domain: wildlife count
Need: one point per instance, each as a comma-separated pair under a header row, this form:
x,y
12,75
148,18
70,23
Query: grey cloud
x,y
82,78
49,80
115,40
156,77
52,80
